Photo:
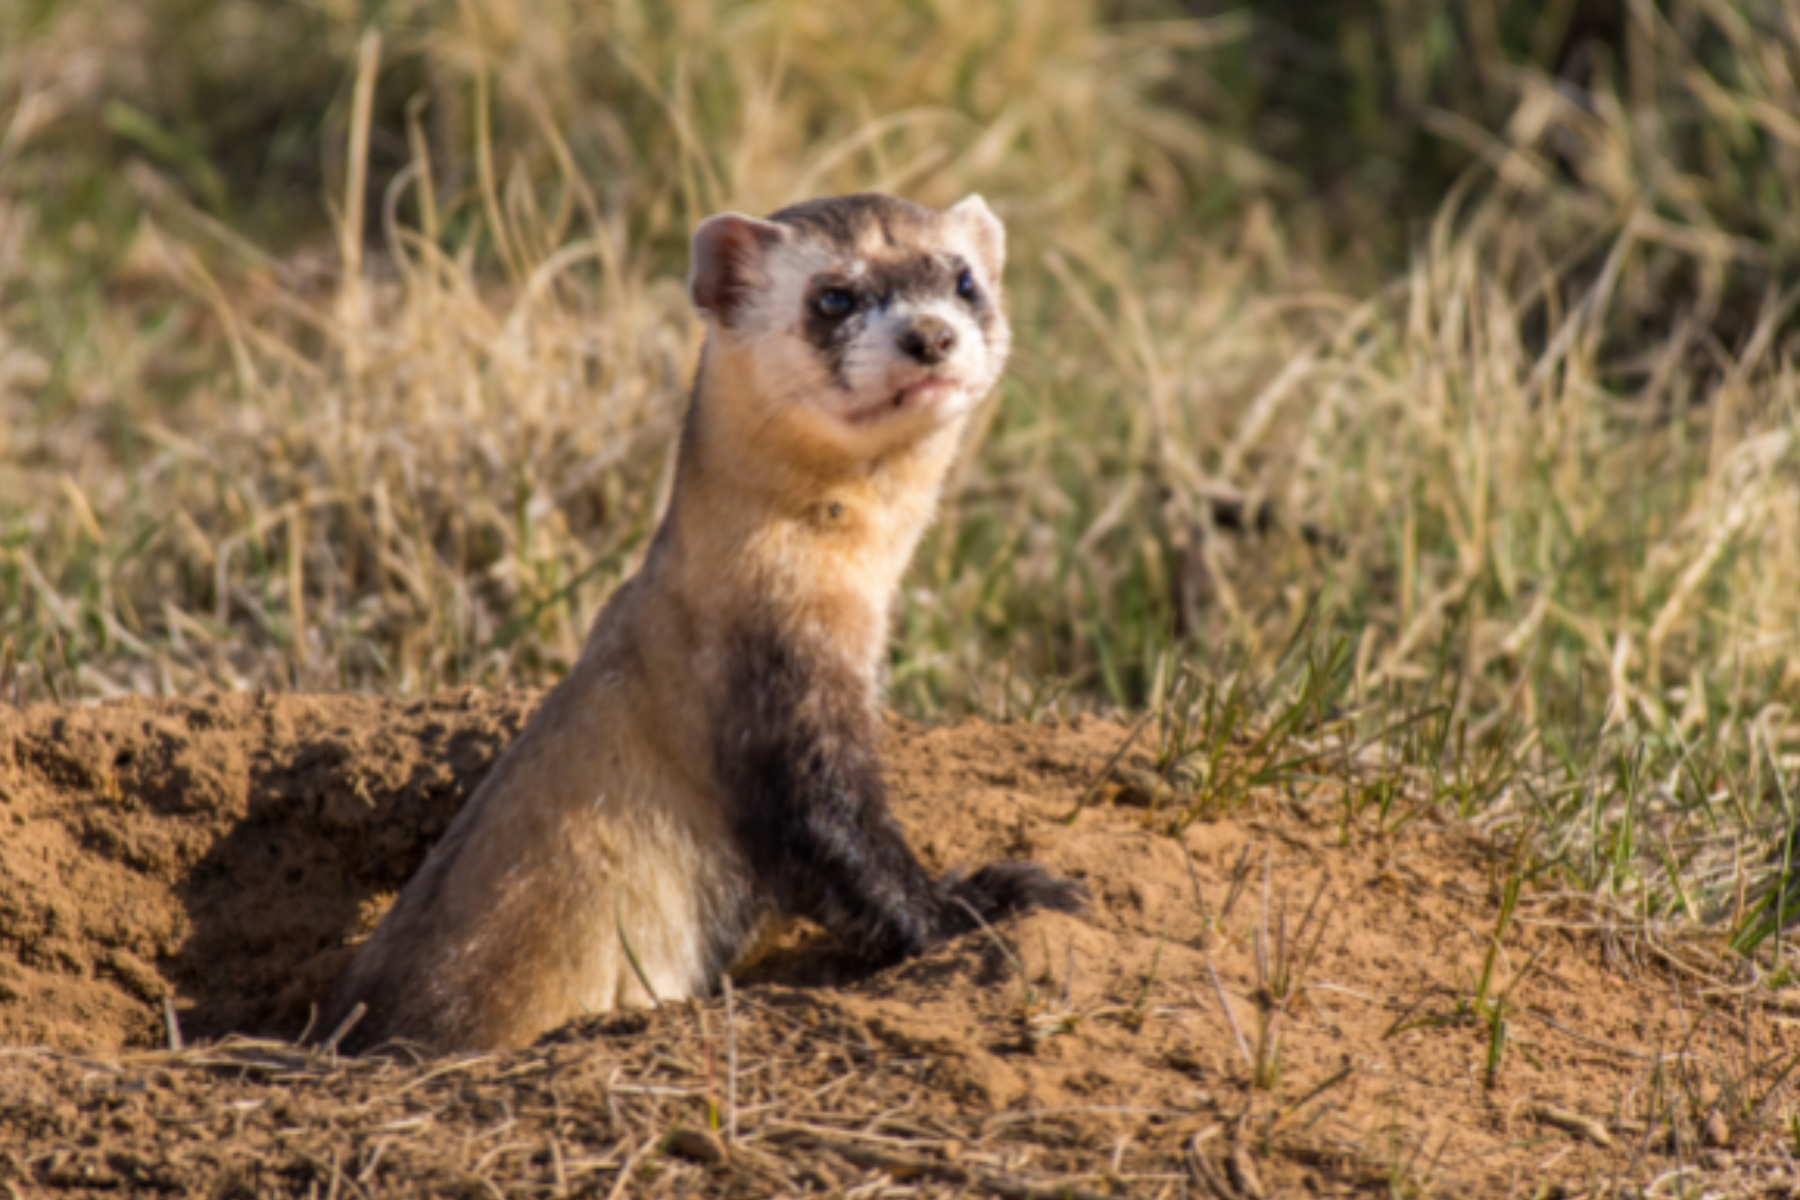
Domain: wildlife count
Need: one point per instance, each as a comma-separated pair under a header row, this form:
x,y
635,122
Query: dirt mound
x,y
1286,997
214,851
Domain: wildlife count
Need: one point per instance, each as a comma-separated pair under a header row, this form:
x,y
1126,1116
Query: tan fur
x,y
603,818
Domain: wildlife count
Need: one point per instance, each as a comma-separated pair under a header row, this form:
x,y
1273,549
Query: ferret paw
x,y
1002,888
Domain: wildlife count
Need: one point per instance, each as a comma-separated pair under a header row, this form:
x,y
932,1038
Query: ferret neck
x,y
764,528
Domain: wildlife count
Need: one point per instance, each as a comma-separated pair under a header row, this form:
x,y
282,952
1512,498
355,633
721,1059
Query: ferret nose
x,y
928,340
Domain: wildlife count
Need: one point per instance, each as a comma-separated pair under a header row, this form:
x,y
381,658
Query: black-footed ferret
x,y
710,763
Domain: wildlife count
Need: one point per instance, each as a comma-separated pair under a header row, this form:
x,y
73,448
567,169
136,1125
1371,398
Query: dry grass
x,y
1551,463
654,1105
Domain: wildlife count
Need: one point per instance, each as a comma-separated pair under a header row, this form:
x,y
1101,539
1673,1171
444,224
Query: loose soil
x,y
194,874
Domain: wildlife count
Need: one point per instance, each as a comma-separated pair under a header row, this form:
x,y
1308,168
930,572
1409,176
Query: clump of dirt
x,y
1282,997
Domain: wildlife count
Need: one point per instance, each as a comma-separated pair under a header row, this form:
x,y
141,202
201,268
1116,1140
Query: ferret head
x,y
865,320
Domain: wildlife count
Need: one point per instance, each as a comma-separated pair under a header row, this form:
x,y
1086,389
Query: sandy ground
x,y
203,864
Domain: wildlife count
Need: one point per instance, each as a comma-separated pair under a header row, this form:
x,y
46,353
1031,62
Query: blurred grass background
x,y
1441,351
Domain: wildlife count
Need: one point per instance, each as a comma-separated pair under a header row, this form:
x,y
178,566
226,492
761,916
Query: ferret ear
x,y
985,229
727,257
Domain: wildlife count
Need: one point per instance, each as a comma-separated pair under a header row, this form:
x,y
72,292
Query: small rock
x,y
136,976
1715,1132
1184,1059
695,1145
69,1171
1243,1174
1571,1123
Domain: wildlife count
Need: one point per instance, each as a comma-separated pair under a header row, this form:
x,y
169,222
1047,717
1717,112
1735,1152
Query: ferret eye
x,y
965,286
834,303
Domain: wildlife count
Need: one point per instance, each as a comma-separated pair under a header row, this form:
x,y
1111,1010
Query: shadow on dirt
x,y
332,821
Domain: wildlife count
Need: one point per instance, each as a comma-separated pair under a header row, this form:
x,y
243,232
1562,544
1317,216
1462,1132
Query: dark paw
x,y
1002,888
